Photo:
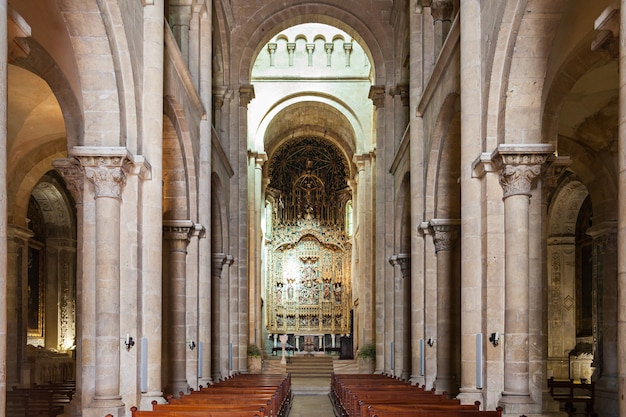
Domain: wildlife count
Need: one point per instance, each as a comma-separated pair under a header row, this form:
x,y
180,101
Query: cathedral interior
x,y
439,181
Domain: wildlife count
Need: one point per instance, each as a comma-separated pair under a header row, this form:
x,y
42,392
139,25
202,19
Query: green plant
x,y
367,351
254,351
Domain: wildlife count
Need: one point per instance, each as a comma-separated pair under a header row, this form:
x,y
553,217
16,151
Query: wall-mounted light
x,y
430,342
494,338
192,345
129,342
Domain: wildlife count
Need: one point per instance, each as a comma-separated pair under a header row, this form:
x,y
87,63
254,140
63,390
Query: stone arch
x,y
252,35
325,117
179,173
525,76
444,163
40,63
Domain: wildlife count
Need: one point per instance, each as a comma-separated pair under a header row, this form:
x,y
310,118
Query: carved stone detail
x,y
70,170
445,233
246,94
520,166
403,260
377,95
442,10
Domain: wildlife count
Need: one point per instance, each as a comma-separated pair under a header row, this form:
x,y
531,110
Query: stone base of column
x,y
148,397
516,404
205,382
470,396
606,396
73,409
100,408
417,380
447,385
176,387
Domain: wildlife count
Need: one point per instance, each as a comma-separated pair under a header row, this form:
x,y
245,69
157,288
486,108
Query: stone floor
x,y
311,406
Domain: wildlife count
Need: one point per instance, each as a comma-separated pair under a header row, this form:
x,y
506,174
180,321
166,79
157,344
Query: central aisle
x,y
311,406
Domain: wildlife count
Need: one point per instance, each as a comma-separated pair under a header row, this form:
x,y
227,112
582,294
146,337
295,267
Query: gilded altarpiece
x,y
309,288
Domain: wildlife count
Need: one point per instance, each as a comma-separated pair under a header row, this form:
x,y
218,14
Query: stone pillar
x,y
104,168
180,21
177,235
416,149
473,188
17,367
364,287
74,181
605,295
402,316
445,237
520,166
219,317
256,247
3,201
442,19
621,221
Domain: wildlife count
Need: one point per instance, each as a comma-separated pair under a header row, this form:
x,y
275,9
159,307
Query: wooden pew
x,y
371,409
196,413
31,402
440,413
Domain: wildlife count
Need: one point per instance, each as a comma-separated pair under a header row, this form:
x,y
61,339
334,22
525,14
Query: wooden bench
x,y
33,402
240,396
386,396
569,392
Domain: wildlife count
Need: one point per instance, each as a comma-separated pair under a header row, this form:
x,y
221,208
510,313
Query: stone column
x,y
17,306
177,235
364,287
3,200
74,181
104,168
180,20
605,296
416,149
442,19
445,237
219,317
402,316
520,166
256,246
621,221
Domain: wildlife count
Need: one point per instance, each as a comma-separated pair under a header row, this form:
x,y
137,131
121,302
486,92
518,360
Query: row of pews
x,y
375,395
243,395
44,400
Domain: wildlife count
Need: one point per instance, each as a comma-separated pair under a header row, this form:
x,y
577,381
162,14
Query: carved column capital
x,y
104,167
178,233
377,95
445,233
246,94
403,260
70,170
604,236
218,260
441,10
520,165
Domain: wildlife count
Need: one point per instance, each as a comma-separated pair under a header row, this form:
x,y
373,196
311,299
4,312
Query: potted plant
x,y
366,356
254,359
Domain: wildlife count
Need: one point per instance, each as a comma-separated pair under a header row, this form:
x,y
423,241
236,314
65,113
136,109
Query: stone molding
x,y
520,165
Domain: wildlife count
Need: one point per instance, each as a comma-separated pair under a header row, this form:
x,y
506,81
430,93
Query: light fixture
x,y
494,338
192,345
430,342
129,342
